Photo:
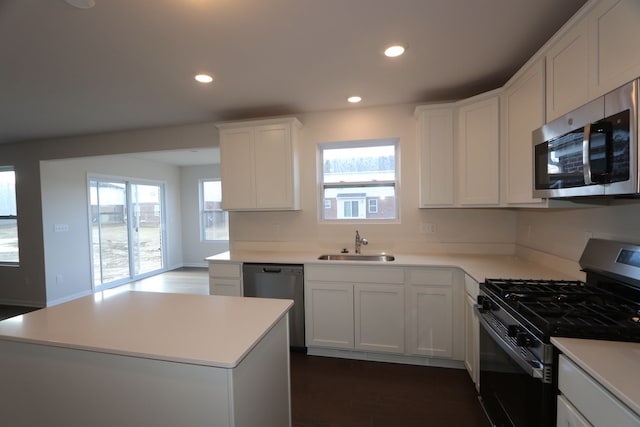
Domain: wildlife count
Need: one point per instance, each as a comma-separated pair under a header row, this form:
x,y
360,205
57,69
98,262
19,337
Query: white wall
x,y
64,201
564,232
194,251
458,230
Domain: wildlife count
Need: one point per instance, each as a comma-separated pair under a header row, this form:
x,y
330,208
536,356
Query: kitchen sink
x,y
356,257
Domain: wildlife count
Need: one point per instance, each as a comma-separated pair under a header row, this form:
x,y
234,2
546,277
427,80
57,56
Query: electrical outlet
x,y
428,228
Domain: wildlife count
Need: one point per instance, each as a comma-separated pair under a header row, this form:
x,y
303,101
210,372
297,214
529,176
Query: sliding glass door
x,y
127,230
146,250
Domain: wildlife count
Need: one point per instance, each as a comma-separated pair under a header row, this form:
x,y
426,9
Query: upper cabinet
x,y
614,37
436,147
478,141
259,164
522,112
459,152
595,55
568,72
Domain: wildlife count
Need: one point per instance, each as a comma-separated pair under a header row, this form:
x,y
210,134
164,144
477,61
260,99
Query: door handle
x,y
586,154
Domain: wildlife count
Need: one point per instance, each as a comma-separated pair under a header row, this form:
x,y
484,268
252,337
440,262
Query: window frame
x,y
202,212
11,168
322,186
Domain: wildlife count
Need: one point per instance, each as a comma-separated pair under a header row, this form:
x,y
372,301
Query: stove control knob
x,y
523,340
484,304
513,331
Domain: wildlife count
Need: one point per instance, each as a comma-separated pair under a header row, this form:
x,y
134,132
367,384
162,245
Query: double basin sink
x,y
357,257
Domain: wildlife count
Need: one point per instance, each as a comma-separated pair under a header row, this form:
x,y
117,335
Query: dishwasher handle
x,y
272,270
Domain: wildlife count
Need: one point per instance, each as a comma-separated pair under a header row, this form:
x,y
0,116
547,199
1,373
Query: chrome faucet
x,y
360,241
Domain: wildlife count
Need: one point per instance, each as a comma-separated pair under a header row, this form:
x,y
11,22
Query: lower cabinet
x,y
430,320
583,401
471,331
379,317
407,311
225,278
355,308
329,314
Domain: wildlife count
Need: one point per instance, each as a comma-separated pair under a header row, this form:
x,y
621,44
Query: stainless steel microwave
x,y
592,151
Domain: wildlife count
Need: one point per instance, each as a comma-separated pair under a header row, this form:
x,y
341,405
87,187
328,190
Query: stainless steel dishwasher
x,y
284,281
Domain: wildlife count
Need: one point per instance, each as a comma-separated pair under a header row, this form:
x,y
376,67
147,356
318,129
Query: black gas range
x,y
518,317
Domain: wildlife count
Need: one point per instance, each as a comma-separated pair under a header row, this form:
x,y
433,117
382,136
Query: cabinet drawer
x,y
224,270
355,274
431,276
471,286
597,405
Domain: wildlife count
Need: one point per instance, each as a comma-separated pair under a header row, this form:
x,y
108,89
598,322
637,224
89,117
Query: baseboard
x,y
389,358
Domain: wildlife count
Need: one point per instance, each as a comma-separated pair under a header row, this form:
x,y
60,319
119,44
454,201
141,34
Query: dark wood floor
x,y
329,392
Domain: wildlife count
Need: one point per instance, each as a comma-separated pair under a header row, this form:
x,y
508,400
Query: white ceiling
x,y
128,64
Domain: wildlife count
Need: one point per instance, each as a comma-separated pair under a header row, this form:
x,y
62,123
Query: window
x,y
359,180
8,217
373,206
214,223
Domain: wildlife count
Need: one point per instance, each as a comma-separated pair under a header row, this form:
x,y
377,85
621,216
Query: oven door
x,y
512,391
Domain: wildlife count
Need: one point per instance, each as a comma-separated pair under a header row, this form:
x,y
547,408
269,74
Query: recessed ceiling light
x,y
393,51
354,99
203,78
81,4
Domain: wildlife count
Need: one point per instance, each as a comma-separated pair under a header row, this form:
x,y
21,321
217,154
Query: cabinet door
x,y
471,338
568,72
568,416
479,152
430,320
237,171
379,318
436,142
523,112
273,167
329,314
614,37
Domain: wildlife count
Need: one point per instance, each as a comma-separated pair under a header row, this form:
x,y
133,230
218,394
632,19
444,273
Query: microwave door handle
x,y
586,154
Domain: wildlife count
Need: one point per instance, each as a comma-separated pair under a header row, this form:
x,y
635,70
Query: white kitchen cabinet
x,y
567,63
478,146
225,278
328,314
471,331
588,400
430,312
568,416
436,146
259,164
595,55
614,37
379,317
355,307
522,111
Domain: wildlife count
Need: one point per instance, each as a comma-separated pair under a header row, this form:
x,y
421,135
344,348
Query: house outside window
x,y
9,253
214,222
359,180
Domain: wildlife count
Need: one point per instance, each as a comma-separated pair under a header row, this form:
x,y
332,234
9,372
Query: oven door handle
x,y
532,371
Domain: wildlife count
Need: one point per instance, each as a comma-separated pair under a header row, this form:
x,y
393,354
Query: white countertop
x,y
198,329
613,364
479,267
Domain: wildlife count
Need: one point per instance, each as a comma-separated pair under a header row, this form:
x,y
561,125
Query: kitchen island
x,y
152,359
